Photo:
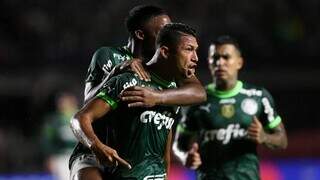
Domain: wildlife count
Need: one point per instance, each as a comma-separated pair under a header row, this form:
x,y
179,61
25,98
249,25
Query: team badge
x,y
249,106
227,110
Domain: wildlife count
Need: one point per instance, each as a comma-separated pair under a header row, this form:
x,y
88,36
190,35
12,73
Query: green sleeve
x,y
112,88
101,65
269,115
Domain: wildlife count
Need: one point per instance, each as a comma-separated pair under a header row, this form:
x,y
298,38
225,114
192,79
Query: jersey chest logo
x,y
249,106
227,110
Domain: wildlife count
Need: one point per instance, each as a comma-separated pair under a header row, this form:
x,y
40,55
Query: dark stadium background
x,y
46,46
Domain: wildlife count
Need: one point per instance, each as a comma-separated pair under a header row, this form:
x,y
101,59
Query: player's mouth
x,y
219,72
191,71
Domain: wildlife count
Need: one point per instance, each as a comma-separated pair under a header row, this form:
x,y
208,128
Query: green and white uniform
x,y
221,125
104,60
139,134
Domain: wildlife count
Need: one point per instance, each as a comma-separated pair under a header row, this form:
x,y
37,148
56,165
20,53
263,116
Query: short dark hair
x,y
139,15
226,39
170,34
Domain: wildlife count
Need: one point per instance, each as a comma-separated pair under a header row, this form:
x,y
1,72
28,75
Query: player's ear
x,y
240,62
139,34
164,52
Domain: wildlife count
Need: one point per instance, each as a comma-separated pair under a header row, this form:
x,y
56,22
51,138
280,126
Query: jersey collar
x,y
128,52
158,80
224,94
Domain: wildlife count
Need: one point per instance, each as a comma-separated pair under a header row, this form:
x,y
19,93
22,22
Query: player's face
x,y
186,56
151,30
225,62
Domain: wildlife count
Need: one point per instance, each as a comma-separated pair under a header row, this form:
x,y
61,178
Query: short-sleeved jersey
x,y
139,134
104,60
221,126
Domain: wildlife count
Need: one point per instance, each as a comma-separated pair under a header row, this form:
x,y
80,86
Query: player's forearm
x,y
81,126
188,93
277,139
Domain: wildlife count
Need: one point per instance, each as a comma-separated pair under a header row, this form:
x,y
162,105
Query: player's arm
x,y
81,125
91,88
190,92
167,154
275,138
186,149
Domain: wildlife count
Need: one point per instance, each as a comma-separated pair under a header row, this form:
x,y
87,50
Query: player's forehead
x,y
188,40
157,22
225,49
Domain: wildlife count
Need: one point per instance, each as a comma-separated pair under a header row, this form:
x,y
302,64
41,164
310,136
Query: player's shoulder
x,y
127,79
106,50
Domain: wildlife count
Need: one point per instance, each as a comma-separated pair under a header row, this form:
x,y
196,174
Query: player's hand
x,y
256,132
108,156
136,66
193,157
137,96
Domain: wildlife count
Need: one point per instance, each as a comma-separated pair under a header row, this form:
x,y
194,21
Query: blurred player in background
x,y
142,135
219,137
59,141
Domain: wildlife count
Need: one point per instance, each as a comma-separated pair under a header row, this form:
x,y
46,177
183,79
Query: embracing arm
x,y
190,92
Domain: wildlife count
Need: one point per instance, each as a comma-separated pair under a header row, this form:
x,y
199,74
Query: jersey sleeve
x,y
269,116
100,66
113,87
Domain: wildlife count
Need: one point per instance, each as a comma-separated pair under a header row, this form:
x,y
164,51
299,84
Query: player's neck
x,y
136,49
161,70
226,85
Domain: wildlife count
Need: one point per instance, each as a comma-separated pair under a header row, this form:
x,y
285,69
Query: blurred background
x,y
46,47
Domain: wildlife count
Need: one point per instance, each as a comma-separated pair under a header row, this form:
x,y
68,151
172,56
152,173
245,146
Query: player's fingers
x,y
142,71
136,104
252,133
128,93
132,98
194,148
197,162
122,162
145,75
137,69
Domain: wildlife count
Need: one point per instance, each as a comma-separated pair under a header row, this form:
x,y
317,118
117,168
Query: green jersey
x,y
221,125
104,60
139,134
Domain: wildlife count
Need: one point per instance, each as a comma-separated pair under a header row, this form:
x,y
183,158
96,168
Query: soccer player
x,y
143,24
142,136
219,137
